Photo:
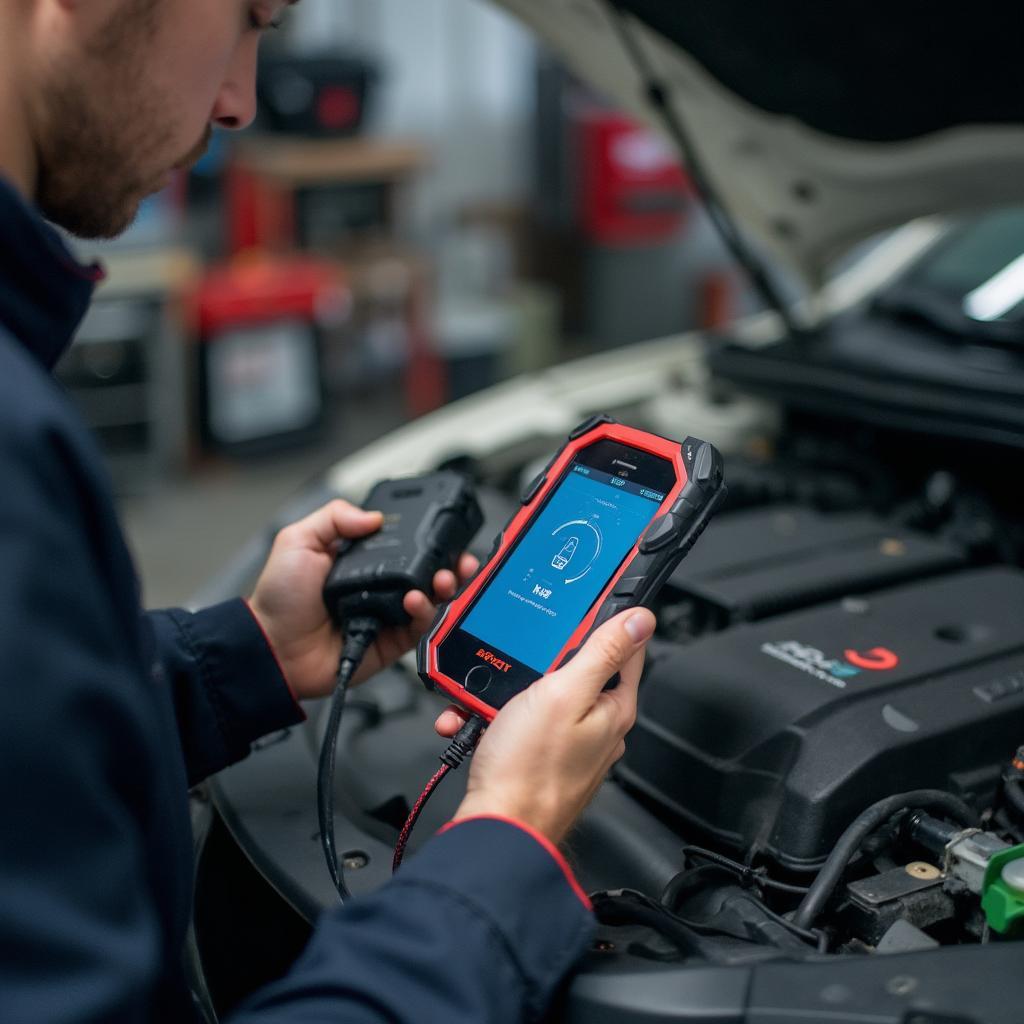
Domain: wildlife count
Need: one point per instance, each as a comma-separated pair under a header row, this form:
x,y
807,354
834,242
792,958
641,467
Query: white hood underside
x,y
804,195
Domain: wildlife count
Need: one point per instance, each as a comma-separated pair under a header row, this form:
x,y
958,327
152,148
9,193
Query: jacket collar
x,y
44,292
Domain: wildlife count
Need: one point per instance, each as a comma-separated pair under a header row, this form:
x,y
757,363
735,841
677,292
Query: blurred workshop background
x,y
428,204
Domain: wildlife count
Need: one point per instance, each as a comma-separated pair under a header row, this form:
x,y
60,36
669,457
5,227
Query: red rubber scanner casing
x,y
681,518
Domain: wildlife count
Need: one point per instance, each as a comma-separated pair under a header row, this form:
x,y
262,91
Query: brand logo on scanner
x,y
833,671
493,660
540,591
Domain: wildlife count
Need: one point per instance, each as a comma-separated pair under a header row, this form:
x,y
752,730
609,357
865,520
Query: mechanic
x,y
109,714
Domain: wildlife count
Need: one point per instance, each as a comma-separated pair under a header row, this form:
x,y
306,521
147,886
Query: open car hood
x,y
817,124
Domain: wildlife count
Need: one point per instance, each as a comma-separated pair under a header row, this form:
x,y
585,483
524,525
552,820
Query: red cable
x,y
410,822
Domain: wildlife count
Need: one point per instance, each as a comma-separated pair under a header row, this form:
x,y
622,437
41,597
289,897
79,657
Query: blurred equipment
x,y
324,96
273,182
475,322
126,371
344,199
614,200
634,191
261,326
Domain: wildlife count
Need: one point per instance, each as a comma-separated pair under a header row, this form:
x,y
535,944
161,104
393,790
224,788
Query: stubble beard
x,y
104,144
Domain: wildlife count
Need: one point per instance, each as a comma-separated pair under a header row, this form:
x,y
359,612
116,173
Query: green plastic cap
x,y
1003,890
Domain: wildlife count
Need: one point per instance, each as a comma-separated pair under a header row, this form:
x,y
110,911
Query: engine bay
x,y
824,768
848,631
820,812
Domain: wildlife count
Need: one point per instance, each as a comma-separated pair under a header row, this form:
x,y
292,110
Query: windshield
x,y
971,283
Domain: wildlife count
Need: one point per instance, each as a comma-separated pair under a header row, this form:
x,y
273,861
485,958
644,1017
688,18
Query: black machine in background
x,y
326,96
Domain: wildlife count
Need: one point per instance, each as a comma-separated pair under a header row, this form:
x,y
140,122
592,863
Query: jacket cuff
x,y
241,677
553,851
528,894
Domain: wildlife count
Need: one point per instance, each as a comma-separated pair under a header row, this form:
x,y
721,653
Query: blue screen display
x,y
542,592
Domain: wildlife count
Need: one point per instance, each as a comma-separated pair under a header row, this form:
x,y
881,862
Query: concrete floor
x,y
182,531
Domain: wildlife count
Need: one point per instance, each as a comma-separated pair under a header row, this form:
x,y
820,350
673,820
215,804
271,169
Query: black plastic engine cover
x,y
765,561
774,736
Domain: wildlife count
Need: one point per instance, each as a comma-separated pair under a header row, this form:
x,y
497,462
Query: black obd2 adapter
x,y
428,522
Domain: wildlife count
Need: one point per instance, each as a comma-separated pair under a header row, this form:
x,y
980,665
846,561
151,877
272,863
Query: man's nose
x,y
235,107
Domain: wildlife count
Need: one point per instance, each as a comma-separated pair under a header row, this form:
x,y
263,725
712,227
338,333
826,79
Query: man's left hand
x,y
288,605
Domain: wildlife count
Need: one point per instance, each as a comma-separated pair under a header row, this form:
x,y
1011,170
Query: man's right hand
x,y
543,758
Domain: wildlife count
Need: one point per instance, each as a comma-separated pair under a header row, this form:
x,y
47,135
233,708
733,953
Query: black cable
x,y
462,746
360,633
1015,795
747,874
414,815
628,906
1012,784
808,935
824,885
657,96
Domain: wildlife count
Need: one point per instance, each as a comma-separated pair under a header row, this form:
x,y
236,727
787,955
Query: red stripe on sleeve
x,y
553,850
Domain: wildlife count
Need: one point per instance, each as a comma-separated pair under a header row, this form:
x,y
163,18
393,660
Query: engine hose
x,y
1015,796
627,907
824,885
686,880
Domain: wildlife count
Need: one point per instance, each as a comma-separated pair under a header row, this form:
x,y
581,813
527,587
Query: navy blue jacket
x,y
108,714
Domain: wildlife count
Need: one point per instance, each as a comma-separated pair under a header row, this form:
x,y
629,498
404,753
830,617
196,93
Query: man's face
x,y
130,95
